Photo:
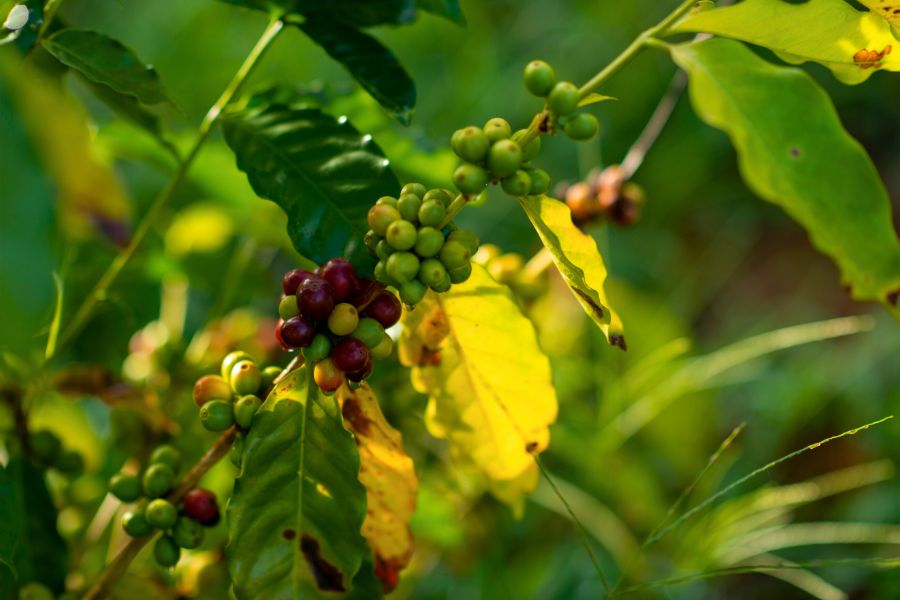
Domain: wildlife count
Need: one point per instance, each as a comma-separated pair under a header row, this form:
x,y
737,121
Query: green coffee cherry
x,y
539,78
236,453
166,455
431,272
135,524
412,292
369,332
166,551
443,285
460,274
471,144
158,480
401,235
126,488
402,266
245,378
244,409
540,181
467,238
497,129
211,387
504,158
35,591
582,126
216,415
409,207
383,250
429,242
343,319
228,363
388,201
69,462
518,184
161,513
382,215
417,189
45,446
381,272
529,150
287,308
268,376
187,533
383,349
319,348
442,196
432,213
371,240
454,254
469,178
563,99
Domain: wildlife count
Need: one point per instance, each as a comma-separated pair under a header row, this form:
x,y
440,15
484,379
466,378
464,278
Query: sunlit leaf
x,y
488,382
794,152
295,515
888,9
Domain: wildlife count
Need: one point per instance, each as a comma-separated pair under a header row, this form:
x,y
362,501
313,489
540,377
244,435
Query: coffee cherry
x,y
416,189
315,299
442,196
187,533
343,318
369,332
211,387
582,201
428,242
216,415
401,235
341,274
470,144
244,410
371,240
349,355
432,213
319,348
443,285
518,184
431,272
380,216
297,332
381,273
69,462
582,126
31,590
409,207
540,181
161,513
166,551
388,201
402,266
126,488
504,158
327,376
200,505
361,374
529,150
232,359
135,524
245,377
467,238
497,129
287,307
158,480
383,349
469,178
539,78
166,455
45,446
292,280
454,254
236,453
563,98
385,309
460,274
383,250
268,377
412,292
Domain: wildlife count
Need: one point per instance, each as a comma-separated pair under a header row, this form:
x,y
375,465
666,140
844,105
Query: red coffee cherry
x,y
292,280
350,355
200,505
315,298
341,274
297,332
385,309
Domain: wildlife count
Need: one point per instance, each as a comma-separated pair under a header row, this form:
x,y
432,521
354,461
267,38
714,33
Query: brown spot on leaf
x,y
594,306
430,358
893,298
870,59
795,152
354,415
288,534
531,447
618,340
328,578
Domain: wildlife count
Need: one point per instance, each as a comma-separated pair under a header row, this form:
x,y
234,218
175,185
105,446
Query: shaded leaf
x,y
449,9
851,43
887,9
295,515
793,151
578,260
107,61
390,479
361,13
490,391
320,170
375,67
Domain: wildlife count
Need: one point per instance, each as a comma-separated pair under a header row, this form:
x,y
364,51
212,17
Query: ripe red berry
x,y
201,506
315,298
297,332
360,374
385,309
340,273
292,280
278,337
366,290
349,355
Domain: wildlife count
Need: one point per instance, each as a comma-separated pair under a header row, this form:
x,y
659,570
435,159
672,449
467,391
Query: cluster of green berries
x,y
236,395
509,269
338,320
416,246
563,100
48,452
182,525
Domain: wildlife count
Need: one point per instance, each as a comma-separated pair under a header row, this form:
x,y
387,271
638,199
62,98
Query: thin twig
x,y
638,151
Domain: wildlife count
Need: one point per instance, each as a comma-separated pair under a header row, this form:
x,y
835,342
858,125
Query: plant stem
x,y
457,205
99,292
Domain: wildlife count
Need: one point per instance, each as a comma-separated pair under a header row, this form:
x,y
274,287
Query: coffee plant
x,y
388,282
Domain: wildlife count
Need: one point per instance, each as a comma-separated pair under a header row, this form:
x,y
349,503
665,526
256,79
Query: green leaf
x,y
360,13
851,43
449,9
594,98
107,61
375,67
320,170
295,516
578,260
888,9
794,152
10,537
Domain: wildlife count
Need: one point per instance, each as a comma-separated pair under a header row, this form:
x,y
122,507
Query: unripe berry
x,y
442,196
401,235
315,297
343,319
412,292
297,332
45,446
31,590
287,307
327,376
402,266
443,285
383,349
211,387
217,415
292,280
582,126
381,273
460,274
432,213
200,505
161,513
380,216
504,158
454,254
432,272
471,144
497,129
187,533
126,488
349,355
563,99
388,201
166,455
158,480
341,274
539,78
268,376
385,309
417,189
244,410
408,206
319,348
518,184
529,150
369,332
69,462
467,238
469,178
245,376
371,240
383,250
234,358
429,242
135,524
540,181
166,551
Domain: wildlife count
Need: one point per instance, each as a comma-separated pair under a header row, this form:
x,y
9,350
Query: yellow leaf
x,y
489,384
389,478
888,9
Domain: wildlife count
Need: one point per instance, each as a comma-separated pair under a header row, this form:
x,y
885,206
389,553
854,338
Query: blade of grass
x,y
53,335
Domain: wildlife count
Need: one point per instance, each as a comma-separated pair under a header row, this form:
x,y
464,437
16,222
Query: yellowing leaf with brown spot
x,y
489,384
390,480
888,9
